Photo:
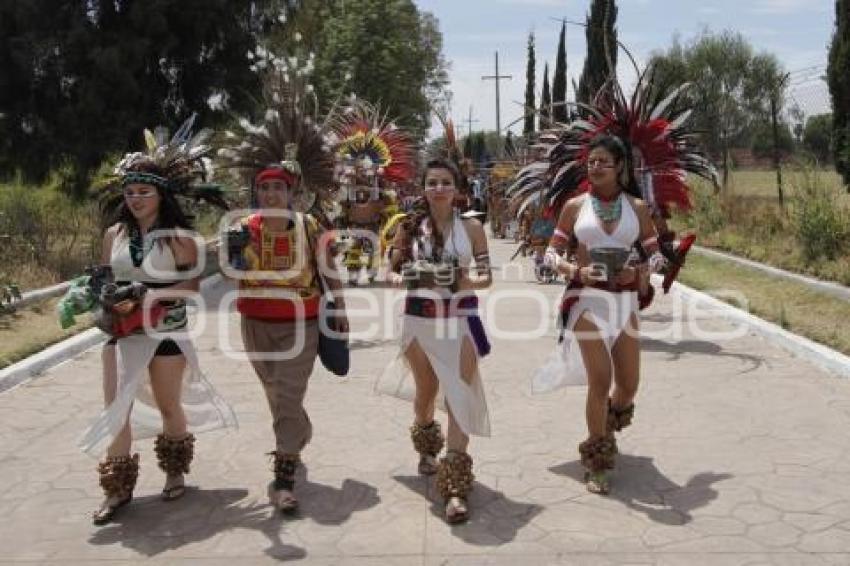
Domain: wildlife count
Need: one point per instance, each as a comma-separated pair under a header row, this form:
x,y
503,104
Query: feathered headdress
x,y
451,151
287,143
660,148
178,164
367,143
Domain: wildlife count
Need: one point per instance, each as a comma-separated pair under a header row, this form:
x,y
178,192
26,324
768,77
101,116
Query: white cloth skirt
x,y
204,407
610,312
441,339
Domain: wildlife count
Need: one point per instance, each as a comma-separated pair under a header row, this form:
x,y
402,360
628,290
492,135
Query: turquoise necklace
x,y
607,210
138,246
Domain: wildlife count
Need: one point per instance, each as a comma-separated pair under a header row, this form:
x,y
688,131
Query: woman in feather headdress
x,y
443,259
152,264
280,260
613,177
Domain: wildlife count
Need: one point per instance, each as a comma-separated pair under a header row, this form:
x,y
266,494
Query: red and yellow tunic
x,y
288,255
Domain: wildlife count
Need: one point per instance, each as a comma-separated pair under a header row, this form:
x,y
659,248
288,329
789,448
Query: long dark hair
x,y
622,155
425,211
169,216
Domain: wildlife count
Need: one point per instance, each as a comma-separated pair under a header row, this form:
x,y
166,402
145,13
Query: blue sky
x,y
798,32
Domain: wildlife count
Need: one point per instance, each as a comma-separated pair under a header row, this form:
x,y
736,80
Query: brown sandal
x,y
283,497
454,482
118,475
174,455
173,492
457,510
597,457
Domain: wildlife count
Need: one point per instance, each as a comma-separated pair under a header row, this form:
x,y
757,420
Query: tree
x,y
387,52
510,148
296,27
838,77
601,60
545,101
559,80
81,79
817,136
528,125
762,144
732,88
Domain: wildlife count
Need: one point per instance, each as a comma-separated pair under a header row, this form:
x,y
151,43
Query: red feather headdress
x,y
364,138
653,128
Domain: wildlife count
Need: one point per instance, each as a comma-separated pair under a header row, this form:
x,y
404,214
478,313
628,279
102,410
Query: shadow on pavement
x,y
494,519
701,347
640,485
150,526
328,505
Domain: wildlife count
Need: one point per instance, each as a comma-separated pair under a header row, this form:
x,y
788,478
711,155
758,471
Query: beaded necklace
x,y
137,246
607,209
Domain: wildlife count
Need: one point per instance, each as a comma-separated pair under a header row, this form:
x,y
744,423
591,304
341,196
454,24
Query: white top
x,y
158,268
590,232
456,244
158,265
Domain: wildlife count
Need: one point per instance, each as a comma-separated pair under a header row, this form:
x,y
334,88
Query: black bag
x,y
333,351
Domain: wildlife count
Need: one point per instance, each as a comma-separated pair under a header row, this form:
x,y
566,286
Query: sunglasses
x,y
599,164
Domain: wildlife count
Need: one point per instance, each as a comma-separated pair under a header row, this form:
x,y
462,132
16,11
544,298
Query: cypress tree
x,y
559,80
838,77
600,33
545,101
528,126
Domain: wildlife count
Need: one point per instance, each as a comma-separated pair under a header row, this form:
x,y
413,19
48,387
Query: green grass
x,y
32,329
793,306
746,219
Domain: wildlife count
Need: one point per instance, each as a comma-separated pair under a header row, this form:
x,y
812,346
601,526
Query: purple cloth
x,y
476,328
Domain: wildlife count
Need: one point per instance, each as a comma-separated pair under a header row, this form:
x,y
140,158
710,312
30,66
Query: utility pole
x,y
469,122
497,77
774,111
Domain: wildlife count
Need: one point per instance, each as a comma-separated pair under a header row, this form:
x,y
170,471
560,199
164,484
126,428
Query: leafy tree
x,y
528,124
545,101
82,78
817,136
387,52
601,35
732,87
838,77
559,80
762,144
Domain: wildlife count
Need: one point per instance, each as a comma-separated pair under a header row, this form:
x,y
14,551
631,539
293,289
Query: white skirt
x,y
204,407
441,339
610,312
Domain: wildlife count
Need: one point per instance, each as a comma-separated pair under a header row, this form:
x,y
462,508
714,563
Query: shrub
x,y
46,235
820,222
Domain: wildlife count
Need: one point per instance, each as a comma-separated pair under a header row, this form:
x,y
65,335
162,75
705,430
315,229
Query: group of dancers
x,y
611,181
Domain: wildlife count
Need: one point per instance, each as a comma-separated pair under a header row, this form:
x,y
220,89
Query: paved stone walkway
x,y
738,455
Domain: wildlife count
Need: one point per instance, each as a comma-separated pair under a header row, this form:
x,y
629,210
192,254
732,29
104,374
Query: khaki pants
x,y
285,381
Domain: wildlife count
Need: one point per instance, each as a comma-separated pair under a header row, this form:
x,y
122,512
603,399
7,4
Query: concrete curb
x,y
828,287
826,358
34,366
38,295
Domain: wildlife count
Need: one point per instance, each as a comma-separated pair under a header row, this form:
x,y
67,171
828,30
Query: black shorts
x,y
167,347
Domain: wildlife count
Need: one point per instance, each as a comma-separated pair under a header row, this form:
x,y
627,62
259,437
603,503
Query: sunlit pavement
x,y
738,455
